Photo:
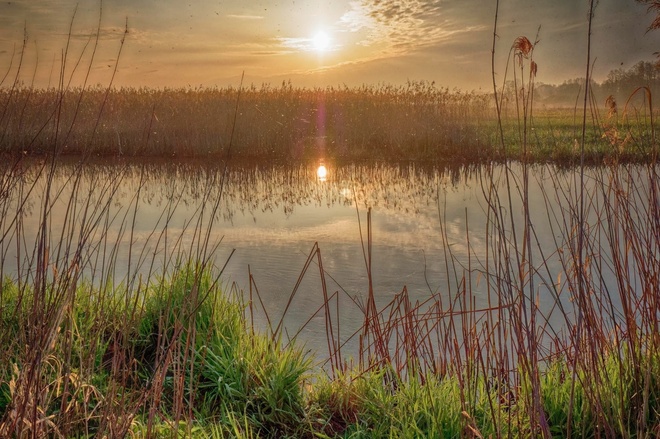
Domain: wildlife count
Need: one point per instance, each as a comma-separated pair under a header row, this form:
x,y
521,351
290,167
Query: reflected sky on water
x,y
428,228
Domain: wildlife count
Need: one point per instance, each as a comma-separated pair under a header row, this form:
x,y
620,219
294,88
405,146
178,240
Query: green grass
x,y
171,355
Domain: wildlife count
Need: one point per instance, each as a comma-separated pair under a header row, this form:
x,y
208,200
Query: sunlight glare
x,y
321,41
322,173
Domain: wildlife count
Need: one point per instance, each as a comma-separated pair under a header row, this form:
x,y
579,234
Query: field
x,y
418,122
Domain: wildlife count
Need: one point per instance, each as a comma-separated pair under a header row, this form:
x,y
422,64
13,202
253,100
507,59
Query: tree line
x,y
620,84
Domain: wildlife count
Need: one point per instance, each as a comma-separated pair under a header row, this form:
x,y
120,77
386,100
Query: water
x,y
430,230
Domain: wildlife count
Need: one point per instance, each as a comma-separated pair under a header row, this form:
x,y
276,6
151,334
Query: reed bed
x,y
418,121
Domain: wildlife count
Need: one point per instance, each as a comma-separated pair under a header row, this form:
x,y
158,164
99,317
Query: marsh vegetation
x,y
419,121
109,329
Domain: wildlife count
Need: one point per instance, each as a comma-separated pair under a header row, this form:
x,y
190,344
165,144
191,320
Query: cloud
x,y
105,33
246,17
296,43
303,44
400,26
358,17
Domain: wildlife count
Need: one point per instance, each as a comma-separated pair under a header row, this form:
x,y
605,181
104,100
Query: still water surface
x,y
428,229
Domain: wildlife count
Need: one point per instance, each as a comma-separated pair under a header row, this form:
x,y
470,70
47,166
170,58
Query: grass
x,y
200,371
164,359
292,122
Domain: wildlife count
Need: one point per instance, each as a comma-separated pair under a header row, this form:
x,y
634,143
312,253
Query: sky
x,y
207,43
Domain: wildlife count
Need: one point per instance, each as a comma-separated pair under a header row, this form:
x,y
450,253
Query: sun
x,y
321,41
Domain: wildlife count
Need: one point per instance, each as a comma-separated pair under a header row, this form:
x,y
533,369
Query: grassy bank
x,y
418,121
90,363
177,358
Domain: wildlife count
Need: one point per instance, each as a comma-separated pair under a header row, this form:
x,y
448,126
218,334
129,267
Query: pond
x,y
287,236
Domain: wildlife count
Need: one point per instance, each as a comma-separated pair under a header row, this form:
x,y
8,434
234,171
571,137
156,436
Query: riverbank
x,y
178,357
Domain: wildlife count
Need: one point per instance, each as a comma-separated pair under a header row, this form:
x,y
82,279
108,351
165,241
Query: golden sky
x,y
313,43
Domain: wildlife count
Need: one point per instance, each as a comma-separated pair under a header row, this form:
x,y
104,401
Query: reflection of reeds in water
x,y
263,186
507,357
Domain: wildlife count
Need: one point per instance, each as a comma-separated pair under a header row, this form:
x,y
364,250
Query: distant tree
x,y
620,83
642,73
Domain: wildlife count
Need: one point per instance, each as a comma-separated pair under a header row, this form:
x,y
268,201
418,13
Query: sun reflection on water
x,y
322,172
